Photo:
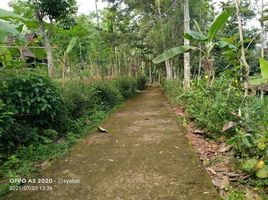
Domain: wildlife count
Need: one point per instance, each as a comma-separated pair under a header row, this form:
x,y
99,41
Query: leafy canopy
x,y
54,9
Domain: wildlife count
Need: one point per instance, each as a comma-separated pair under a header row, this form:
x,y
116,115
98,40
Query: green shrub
x,y
22,162
88,98
34,114
33,98
174,90
141,82
34,103
84,98
212,107
5,118
50,134
104,96
126,86
236,195
77,96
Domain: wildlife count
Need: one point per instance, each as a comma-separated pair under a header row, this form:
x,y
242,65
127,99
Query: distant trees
x,y
131,36
47,10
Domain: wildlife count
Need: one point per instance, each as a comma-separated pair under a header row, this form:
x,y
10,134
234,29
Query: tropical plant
x,y
14,44
264,73
70,47
30,102
206,40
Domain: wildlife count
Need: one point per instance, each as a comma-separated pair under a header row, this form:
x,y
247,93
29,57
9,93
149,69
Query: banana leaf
x,y
194,35
173,52
219,23
71,45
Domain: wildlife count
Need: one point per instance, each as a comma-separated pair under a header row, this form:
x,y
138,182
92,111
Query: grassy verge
x,y
225,115
29,161
41,120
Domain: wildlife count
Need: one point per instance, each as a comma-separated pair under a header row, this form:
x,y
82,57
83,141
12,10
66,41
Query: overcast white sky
x,y
85,6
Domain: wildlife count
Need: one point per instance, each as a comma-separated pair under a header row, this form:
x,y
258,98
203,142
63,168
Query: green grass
x,y
27,161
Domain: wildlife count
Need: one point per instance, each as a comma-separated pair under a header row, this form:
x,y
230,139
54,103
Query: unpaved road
x,y
144,156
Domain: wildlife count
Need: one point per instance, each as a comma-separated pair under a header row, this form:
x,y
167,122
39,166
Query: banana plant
x,y
7,28
68,50
207,41
12,24
264,73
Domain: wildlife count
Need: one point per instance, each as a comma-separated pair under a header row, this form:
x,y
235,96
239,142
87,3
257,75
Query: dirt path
x,y
144,156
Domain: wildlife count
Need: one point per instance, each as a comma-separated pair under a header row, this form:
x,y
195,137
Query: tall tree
x,y
263,21
243,55
187,67
54,10
168,63
262,30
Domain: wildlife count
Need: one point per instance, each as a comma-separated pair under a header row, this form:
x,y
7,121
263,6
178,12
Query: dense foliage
x,y
210,47
215,105
211,107
40,118
33,102
141,82
126,86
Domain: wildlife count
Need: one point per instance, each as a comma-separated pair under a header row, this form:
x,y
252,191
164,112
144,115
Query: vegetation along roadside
x,y
229,135
42,119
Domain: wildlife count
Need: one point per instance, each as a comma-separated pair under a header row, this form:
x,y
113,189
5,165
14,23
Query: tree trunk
x,y
262,31
90,60
142,66
116,62
187,67
169,70
199,64
243,55
168,66
64,67
129,67
150,73
48,50
112,64
175,75
159,77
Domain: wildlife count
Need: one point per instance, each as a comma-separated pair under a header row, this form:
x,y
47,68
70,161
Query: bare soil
x,y
145,156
